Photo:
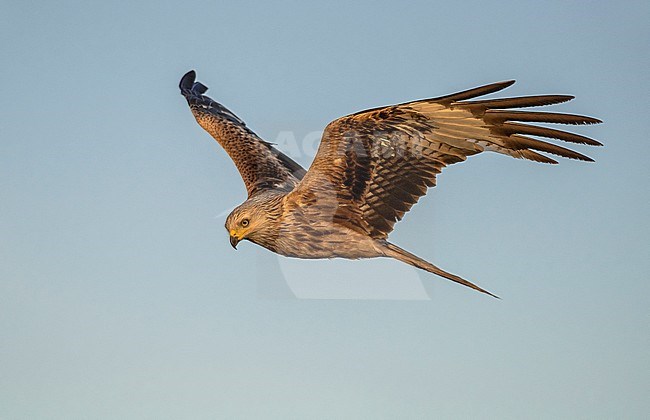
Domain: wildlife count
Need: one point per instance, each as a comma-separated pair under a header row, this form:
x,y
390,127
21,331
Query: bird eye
x,y
245,222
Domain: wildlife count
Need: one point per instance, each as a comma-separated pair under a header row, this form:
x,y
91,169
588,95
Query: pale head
x,y
252,220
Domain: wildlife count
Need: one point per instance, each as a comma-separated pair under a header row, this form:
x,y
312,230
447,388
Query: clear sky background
x,y
120,296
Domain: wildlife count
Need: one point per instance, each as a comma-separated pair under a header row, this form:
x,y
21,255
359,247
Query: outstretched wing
x,y
260,164
377,163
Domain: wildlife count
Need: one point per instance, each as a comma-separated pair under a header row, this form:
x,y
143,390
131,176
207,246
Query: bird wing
x,y
374,165
260,164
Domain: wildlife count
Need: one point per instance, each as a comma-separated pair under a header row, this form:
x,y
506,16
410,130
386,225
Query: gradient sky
x,y
120,296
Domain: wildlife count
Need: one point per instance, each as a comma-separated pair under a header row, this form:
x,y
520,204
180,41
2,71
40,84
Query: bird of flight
x,y
372,167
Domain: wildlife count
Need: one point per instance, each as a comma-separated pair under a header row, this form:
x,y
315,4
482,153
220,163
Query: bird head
x,y
244,222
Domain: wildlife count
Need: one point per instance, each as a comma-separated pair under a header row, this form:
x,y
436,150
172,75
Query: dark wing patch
x,y
260,164
377,163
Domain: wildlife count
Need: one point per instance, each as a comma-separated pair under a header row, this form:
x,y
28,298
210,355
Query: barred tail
x,y
393,251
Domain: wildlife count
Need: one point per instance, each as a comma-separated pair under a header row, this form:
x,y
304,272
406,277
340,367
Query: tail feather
x,y
393,251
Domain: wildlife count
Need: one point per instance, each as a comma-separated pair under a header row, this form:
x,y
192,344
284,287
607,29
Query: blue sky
x,y
121,297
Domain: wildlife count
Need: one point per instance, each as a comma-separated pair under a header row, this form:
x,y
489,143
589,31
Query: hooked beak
x,y
234,241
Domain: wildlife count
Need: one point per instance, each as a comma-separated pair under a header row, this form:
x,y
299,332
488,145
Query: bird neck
x,y
271,202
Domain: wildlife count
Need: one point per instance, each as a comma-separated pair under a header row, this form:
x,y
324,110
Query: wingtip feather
x,y
474,92
187,80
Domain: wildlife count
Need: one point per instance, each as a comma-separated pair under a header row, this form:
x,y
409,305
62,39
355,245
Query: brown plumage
x,y
372,167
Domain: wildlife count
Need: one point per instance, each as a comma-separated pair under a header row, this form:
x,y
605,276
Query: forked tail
x,y
398,253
